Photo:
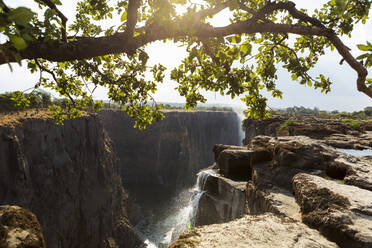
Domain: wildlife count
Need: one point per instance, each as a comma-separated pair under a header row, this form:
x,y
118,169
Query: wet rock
x,y
259,231
342,213
223,200
19,228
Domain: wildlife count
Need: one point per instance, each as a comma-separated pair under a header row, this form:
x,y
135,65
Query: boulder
x,y
19,228
237,163
258,231
218,148
342,213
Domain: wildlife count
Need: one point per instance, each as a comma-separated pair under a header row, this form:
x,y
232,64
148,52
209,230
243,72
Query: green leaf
x,y
364,47
363,56
18,42
21,15
340,5
123,17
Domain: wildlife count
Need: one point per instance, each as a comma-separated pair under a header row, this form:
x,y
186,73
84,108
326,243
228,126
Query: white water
x,y
357,153
241,117
180,215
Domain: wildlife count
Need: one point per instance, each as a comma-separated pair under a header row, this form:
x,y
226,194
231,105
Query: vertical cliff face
x,y
172,151
67,175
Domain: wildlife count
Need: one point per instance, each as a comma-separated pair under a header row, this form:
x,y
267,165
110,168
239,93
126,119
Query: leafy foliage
x,y
105,46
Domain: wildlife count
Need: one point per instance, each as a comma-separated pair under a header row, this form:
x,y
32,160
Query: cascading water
x,y
160,228
240,113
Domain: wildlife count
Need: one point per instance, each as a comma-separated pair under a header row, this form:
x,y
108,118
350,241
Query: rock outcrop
x,y
342,213
258,231
297,180
170,152
68,177
337,133
19,228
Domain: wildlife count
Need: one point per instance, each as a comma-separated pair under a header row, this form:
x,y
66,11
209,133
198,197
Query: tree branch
x,y
209,12
90,47
51,5
132,16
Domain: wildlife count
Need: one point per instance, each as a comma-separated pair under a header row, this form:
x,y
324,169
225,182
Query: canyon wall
x,y
172,151
68,177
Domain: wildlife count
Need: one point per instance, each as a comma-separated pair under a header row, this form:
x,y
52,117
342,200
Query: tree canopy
x,y
74,55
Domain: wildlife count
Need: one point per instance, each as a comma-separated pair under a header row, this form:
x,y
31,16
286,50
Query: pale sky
x,y
344,94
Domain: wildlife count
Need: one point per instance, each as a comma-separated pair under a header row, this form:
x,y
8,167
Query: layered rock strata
x,y
68,177
298,179
337,133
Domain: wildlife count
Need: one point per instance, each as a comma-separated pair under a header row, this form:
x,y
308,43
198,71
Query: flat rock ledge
x,y
19,228
258,231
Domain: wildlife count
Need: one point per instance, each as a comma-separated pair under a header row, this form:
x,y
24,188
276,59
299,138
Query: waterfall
x,y
180,215
240,113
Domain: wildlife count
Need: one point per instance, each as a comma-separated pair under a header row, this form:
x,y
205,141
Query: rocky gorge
x,y
88,186
74,177
286,190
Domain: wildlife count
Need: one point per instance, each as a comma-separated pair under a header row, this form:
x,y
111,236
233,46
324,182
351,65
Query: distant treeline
x,y
17,100
37,99
210,108
367,112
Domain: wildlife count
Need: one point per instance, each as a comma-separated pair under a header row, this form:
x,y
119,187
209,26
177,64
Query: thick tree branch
x,y
86,48
132,16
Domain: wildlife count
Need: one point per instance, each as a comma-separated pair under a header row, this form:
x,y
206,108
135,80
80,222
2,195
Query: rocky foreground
x,y
298,192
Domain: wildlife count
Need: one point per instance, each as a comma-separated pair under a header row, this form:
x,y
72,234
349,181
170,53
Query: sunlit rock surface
x,y
19,228
333,132
342,213
258,231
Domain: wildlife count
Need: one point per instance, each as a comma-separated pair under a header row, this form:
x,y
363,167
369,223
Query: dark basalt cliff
x,y
68,177
172,151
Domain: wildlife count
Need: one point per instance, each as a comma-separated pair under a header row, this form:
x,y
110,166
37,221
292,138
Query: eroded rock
x,y
342,213
19,228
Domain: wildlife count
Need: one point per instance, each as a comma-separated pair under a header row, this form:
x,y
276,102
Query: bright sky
x,y
344,94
